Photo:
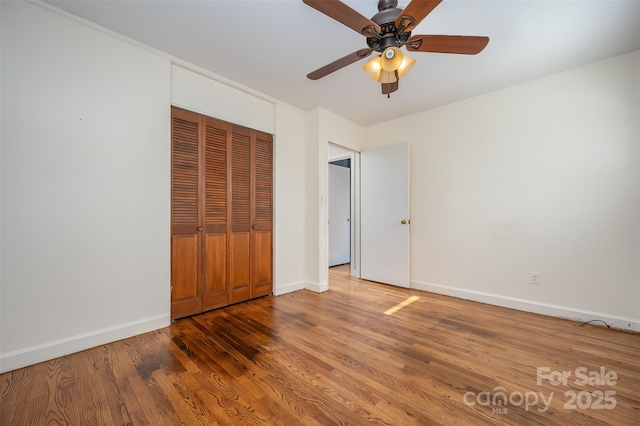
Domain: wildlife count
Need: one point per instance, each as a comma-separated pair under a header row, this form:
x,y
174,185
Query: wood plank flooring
x,y
336,358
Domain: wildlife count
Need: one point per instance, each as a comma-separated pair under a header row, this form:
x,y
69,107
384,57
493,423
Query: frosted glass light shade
x,y
391,59
373,68
405,66
387,77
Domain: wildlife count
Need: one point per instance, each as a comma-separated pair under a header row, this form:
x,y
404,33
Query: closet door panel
x,y
240,180
215,212
263,211
239,269
239,263
184,275
185,239
262,271
264,180
216,271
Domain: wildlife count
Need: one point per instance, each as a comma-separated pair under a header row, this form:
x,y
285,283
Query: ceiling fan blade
x,y
465,45
344,14
416,9
340,63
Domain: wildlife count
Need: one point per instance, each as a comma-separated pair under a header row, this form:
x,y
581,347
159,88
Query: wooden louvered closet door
x,y
239,267
221,213
262,209
185,215
215,212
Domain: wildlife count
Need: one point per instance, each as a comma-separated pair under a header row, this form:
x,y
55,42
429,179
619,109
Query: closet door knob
x,y
255,227
199,228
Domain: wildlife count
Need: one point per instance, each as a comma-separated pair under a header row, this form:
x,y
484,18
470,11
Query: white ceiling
x,y
271,45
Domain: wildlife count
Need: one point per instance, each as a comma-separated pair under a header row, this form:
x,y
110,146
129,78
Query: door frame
x,y
354,156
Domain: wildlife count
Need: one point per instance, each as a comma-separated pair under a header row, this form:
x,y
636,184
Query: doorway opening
x,y
339,212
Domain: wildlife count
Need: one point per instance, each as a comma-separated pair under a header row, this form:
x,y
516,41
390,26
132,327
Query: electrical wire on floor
x,y
595,320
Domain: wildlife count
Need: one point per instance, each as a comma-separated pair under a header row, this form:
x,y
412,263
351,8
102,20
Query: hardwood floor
x,y
337,358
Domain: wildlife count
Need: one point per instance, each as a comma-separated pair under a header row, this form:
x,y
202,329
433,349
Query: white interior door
x,y
339,215
385,214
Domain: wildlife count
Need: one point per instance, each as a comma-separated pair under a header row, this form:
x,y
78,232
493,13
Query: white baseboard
x,y
317,287
288,288
39,353
529,305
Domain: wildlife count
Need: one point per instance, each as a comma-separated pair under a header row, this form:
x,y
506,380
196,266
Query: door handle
x,y
255,227
199,228
404,222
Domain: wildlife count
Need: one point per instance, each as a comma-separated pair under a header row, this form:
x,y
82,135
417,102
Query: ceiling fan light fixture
x,y
373,68
386,32
391,59
405,66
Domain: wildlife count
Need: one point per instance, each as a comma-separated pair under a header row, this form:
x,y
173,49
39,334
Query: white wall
x,y
85,183
85,178
541,177
313,202
290,222
201,94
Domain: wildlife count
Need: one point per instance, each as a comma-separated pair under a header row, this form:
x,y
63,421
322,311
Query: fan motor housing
x,y
386,17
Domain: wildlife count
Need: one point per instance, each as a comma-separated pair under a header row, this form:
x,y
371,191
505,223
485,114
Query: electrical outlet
x,y
535,278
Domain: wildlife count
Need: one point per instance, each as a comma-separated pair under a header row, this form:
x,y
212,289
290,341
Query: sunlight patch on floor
x,y
401,305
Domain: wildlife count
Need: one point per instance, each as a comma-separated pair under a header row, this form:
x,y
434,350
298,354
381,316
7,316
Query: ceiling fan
x,y
386,32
